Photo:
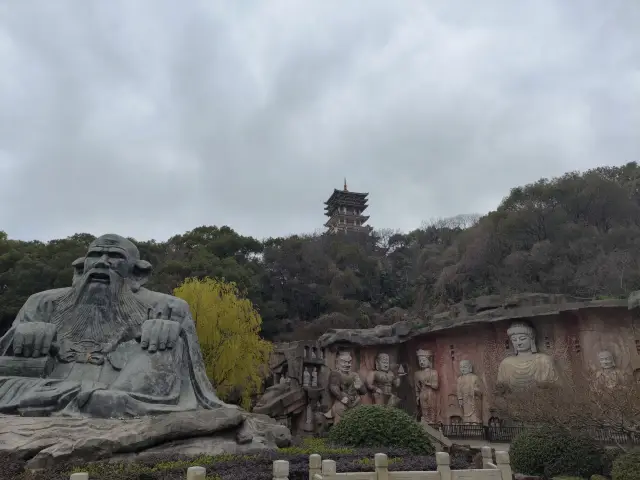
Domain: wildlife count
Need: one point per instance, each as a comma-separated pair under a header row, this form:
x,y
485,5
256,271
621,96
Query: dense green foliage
x,y
626,467
553,451
381,426
227,467
578,234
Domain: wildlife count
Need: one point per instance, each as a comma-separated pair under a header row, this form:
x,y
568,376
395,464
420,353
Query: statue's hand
x,y
33,339
159,334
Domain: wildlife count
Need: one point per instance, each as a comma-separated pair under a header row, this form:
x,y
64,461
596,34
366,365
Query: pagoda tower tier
x,y
345,211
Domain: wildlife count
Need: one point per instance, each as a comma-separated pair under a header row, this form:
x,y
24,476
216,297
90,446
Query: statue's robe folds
x,y
126,381
427,385
469,389
609,378
385,381
520,372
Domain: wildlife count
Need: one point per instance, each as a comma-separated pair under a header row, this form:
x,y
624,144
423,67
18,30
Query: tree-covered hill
x,y
578,234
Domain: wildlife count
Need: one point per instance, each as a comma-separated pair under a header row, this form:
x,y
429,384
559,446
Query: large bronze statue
x,y
104,347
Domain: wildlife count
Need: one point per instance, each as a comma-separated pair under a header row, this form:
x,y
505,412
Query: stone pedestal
x,y
50,440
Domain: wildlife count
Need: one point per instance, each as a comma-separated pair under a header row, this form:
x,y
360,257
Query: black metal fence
x,y
495,434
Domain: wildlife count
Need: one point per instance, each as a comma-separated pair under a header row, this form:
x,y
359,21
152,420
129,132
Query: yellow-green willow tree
x,y
228,329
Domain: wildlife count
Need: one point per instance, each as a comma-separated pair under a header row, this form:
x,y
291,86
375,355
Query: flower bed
x,y
232,467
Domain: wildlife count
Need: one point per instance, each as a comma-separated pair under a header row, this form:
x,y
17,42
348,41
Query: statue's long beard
x,y
99,313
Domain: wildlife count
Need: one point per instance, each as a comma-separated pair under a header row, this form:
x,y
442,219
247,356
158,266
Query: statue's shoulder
x,y
36,306
46,296
161,301
543,358
508,361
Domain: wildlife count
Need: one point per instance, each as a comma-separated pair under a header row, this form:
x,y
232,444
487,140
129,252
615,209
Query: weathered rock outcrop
x,y
480,310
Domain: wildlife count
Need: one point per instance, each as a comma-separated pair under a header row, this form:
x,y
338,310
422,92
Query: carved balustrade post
x,y
443,462
196,473
280,470
315,465
382,466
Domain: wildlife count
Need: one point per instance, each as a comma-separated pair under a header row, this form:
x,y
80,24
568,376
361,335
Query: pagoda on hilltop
x,y
345,211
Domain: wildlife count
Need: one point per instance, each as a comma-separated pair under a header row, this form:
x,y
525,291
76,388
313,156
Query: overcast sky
x,y
150,118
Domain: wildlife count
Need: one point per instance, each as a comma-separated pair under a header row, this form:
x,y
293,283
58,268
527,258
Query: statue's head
x,y
607,362
425,358
382,362
466,367
111,260
102,295
343,362
523,338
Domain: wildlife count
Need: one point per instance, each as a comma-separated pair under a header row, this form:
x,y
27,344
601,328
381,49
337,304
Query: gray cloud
x,y
152,117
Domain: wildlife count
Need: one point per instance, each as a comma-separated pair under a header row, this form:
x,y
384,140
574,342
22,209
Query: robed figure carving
x,y
609,376
469,392
527,368
106,346
426,385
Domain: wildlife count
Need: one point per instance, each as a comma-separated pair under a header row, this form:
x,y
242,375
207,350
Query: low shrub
x,y
552,452
227,467
382,427
610,455
626,467
310,445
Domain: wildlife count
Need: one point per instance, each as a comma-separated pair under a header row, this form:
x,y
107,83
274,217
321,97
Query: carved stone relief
x,y
608,376
426,385
345,387
382,382
297,391
470,393
527,367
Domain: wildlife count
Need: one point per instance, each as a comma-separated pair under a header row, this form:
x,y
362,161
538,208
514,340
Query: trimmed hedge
x,y
383,427
551,452
229,467
626,467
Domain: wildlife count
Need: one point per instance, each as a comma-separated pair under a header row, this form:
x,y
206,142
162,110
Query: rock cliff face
x,y
448,366
489,309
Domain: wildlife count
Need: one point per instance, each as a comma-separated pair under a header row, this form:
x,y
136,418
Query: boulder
x,y
46,441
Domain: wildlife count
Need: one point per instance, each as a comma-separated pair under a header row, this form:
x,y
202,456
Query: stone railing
x,y
326,470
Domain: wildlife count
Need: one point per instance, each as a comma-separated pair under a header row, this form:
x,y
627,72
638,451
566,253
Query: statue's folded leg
x,y
35,396
149,383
